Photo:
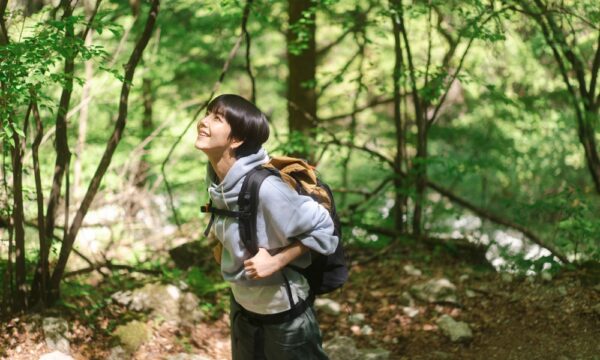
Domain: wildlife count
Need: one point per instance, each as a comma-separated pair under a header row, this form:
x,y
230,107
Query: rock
x,y
457,331
328,306
470,293
358,318
118,353
55,330
406,299
374,354
463,278
435,290
410,311
56,355
165,302
342,348
161,300
189,310
132,335
546,276
366,330
412,271
184,356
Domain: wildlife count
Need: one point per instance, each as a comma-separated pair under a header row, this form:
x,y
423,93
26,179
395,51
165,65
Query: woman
x,y
265,293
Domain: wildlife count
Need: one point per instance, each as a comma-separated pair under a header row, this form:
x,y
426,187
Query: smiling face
x,y
214,135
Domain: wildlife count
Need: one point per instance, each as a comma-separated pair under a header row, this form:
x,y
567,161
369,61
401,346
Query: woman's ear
x,y
236,143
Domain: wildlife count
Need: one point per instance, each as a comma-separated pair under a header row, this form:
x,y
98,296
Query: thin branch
x,y
594,74
109,265
364,148
373,103
340,73
247,34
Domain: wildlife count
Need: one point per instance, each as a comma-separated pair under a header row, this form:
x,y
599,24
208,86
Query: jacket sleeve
x,y
287,215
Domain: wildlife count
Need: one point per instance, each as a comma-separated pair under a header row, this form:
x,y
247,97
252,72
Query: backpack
x,y
326,273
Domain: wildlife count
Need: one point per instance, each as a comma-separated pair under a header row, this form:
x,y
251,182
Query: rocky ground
x,y
407,303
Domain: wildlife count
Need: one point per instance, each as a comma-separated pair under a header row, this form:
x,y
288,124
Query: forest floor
x,y
512,317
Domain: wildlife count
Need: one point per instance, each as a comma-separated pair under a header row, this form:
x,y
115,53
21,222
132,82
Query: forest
x,y
459,139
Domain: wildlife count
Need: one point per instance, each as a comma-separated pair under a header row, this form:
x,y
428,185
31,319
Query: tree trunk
x,y
18,217
111,146
302,65
399,198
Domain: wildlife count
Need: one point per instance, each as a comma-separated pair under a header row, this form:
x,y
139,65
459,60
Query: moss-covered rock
x,y
133,334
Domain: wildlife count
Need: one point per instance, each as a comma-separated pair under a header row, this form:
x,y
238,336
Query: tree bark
x,y
399,158
111,146
302,65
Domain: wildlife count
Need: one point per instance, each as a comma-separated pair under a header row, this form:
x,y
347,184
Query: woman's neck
x,y
221,165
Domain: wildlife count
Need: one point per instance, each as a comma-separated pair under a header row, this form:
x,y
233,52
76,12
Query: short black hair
x,y
247,122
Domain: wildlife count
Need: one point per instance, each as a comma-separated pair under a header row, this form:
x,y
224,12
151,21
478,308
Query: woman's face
x,y
213,134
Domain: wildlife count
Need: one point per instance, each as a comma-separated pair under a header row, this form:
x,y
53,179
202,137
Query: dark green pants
x,y
298,339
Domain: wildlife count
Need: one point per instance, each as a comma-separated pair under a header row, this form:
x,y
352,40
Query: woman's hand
x,y
262,265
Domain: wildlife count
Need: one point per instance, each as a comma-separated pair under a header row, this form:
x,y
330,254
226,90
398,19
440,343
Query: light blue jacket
x,y
283,214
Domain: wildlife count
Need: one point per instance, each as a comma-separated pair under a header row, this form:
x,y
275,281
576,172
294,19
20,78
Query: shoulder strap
x,y
248,204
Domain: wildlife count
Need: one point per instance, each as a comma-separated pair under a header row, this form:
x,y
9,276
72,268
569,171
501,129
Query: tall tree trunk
x,y
18,219
420,168
302,65
570,63
399,158
111,146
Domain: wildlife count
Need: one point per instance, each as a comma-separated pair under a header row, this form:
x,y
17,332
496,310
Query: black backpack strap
x,y
208,208
248,205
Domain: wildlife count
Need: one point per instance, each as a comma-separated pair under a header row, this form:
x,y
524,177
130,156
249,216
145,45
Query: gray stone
x,y
546,276
56,355
122,297
366,330
470,293
328,306
342,348
374,354
435,290
55,330
357,318
410,311
118,353
457,331
412,271
189,310
184,356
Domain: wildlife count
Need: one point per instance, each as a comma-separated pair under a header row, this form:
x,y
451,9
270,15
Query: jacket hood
x,y
227,190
